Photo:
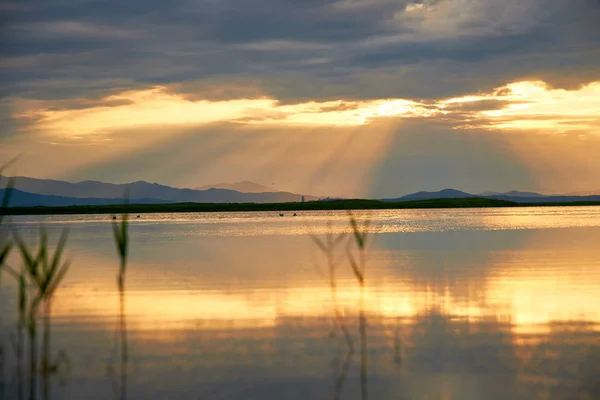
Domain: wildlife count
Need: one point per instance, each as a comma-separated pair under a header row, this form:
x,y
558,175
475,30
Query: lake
x,y
442,304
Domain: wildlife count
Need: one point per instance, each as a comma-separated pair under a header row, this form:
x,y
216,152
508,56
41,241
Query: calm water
x,y
456,304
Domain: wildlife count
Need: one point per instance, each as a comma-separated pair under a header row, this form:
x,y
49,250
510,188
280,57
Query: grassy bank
x,y
357,204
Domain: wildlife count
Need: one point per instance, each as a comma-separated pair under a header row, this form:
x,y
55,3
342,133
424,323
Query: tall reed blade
x,y
358,267
9,186
328,247
121,237
4,252
5,248
45,272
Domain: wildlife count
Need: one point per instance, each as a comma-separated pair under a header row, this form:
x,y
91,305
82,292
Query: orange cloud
x,y
532,105
157,106
527,105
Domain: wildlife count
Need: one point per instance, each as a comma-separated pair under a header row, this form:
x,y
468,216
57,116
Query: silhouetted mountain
x,y
515,196
442,194
145,190
585,193
512,193
545,199
19,198
243,187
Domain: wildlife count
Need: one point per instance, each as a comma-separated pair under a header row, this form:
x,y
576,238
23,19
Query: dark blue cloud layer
x,y
290,49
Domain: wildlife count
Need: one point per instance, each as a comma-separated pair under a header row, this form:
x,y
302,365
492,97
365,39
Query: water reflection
x,y
121,239
37,280
328,245
456,314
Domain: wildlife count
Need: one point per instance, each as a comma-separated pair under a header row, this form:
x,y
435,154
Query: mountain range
x,y
584,193
515,196
512,193
243,186
46,192
18,198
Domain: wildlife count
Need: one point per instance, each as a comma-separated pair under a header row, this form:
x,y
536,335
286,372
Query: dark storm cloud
x,y
294,49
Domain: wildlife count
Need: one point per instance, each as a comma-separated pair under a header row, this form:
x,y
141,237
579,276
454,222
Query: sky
x,y
369,98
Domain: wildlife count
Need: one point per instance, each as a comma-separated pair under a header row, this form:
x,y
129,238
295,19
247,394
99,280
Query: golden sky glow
x,y
524,105
522,135
532,105
421,95
157,106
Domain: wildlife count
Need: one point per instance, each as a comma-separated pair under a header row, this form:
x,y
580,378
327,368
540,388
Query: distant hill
x,y
48,192
512,193
146,190
585,193
19,198
243,187
546,199
442,194
514,196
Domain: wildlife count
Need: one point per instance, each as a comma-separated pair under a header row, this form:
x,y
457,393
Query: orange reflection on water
x,y
529,302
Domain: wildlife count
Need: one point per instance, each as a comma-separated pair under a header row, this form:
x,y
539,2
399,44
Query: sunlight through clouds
x,y
540,107
421,94
526,105
157,106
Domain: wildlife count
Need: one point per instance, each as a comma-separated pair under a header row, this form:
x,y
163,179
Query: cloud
x,y
475,104
157,106
133,76
536,106
344,48
443,19
69,29
519,105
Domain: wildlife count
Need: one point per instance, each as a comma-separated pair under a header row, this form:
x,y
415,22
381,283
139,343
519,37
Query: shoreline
x,y
357,204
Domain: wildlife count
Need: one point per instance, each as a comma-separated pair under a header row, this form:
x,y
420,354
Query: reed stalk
x,y
359,268
121,237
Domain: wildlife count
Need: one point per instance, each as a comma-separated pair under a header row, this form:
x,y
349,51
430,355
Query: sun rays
x,y
526,105
337,146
